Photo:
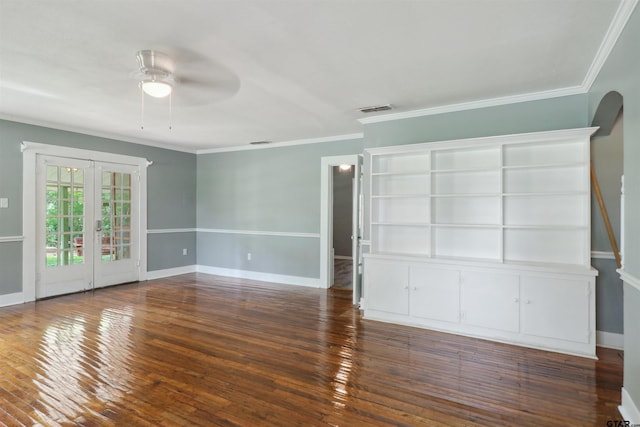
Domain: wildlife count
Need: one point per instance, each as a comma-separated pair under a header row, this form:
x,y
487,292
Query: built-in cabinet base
x,y
534,306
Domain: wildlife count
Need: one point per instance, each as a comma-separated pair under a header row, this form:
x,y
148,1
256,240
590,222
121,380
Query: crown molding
x,y
93,132
472,105
122,138
609,41
334,138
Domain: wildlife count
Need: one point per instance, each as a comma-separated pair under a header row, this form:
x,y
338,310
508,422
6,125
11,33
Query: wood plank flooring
x,y
342,273
200,350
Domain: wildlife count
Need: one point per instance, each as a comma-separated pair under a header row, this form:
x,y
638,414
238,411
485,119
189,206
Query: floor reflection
x,y
82,363
339,356
114,352
61,358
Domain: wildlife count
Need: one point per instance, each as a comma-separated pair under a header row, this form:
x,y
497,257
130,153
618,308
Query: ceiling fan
x,y
190,78
155,73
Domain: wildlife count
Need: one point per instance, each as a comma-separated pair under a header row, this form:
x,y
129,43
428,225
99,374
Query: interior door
x,y
88,217
356,249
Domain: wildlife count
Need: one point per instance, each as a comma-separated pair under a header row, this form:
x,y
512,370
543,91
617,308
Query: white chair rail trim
x,y
259,232
629,279
6,239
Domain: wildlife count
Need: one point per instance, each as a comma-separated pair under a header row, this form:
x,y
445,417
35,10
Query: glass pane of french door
x,y
116,216
65,211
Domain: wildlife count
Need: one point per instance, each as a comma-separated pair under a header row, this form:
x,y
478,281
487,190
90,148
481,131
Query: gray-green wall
x,y
171,191
265,202
606,158
621,72
549,114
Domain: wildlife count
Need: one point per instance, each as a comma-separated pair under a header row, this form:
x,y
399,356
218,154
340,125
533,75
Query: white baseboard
x,y
264,277
342,257
610,340
11,299
629,410
18,297
160,274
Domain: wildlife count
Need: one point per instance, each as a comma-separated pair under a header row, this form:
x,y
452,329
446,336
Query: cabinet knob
x,y
406,288
528,301
516,300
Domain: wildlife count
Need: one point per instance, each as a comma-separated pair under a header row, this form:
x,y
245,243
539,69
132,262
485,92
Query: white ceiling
x,y
285,70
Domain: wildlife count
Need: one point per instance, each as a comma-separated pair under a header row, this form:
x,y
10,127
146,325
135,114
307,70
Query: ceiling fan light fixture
x,y
155,73
156,88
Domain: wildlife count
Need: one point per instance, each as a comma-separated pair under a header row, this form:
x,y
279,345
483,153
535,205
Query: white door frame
x,y
30,151
326,214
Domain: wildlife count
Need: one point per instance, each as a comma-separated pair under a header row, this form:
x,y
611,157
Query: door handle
x,y
98,226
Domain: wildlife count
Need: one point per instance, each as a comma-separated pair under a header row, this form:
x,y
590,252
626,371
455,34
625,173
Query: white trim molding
x,y
169,272
326,217
284,143
629,279
263,277
618,23
63,151
258,233
602,255
8,239
473,105
629,410
610,340
11,299
95,133
172,230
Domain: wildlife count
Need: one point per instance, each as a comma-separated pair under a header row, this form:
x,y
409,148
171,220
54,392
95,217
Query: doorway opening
x,y
327,222
343,232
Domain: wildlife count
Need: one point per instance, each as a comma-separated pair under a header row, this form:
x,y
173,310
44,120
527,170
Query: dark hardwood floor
x,y
204,350
342,273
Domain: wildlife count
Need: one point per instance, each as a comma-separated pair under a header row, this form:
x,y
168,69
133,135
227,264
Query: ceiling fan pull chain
x,y
141,108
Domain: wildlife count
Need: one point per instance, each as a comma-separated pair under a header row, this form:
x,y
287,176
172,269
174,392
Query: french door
x,y
88,224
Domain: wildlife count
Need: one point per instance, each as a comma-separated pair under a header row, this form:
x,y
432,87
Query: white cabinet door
x,y
386,286
556,308
435,293
490,300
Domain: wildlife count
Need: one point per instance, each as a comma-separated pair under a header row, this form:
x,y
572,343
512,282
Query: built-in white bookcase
x,y
515,202
500,199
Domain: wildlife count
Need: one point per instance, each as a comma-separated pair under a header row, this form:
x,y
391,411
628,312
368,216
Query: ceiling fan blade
x,y
199,88
194,93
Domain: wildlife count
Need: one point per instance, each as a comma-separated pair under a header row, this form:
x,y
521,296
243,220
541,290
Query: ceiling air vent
x,y
260,142
376,108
